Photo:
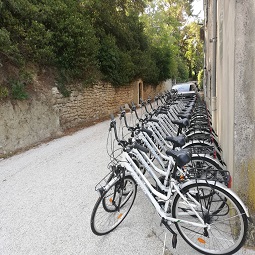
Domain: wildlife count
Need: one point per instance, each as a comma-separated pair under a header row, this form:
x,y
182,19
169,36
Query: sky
x,y
198,7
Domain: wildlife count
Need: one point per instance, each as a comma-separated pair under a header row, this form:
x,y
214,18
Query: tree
x,y
164,21
192,48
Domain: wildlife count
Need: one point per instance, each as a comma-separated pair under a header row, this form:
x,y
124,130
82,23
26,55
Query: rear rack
x,y
217,175
202,150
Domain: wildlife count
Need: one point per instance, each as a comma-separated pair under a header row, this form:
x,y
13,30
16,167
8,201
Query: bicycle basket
x,y
101,184
116,170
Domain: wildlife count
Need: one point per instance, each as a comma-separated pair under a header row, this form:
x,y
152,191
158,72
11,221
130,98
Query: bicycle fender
x,y
208,157
231,192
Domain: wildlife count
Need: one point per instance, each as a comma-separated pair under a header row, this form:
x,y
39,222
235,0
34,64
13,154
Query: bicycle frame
x,y
150,192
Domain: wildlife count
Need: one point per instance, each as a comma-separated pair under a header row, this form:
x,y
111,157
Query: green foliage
x,y
8,48
183,71
26,76
119,40
76,45
200,79
18,90
62,81
164,21
49,33
63,89
3,92
146,67
192,48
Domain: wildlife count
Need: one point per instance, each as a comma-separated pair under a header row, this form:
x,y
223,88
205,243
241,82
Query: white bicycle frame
x,y
150,192
173,189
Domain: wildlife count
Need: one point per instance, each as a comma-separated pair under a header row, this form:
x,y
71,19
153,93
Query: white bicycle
x,y
210,217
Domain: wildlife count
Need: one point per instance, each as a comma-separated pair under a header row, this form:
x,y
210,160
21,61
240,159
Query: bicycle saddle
x,y
181,157
181,123
184,115
178,141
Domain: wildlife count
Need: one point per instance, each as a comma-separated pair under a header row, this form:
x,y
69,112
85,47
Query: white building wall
x,y
235,91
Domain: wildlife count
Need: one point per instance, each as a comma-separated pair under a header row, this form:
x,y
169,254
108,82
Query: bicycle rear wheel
x,y
113,206
225,216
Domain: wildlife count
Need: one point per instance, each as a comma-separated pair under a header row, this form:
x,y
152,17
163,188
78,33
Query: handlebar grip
x,y
153,120
149,132
162,112
140,148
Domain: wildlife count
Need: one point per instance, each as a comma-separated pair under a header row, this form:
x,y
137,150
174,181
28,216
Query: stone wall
x,y
25,123
97,101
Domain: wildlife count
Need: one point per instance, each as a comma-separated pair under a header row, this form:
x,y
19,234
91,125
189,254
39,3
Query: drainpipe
x,y
214,42
205,49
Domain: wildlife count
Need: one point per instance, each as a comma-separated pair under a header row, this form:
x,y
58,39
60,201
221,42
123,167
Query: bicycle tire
x,y
106,216
228,223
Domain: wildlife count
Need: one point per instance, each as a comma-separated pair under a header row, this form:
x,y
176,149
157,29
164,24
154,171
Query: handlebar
x,y
124,143
123,114
113,125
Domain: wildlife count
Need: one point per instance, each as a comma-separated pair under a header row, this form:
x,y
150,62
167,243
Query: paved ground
x,y
47,195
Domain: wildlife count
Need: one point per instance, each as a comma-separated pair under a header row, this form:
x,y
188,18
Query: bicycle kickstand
x,y
174,238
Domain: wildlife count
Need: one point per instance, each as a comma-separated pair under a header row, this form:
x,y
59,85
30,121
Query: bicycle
x,y
210,217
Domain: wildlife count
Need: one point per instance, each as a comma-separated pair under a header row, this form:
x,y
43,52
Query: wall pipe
x,y
214,52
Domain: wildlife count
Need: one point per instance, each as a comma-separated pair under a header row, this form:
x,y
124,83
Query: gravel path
x,y
47,196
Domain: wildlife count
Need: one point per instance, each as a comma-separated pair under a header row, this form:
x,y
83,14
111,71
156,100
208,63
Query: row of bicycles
x,y
168,148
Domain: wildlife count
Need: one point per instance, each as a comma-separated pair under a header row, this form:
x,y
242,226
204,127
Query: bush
x,y
116,65
3,92
8,48
85,40
18,90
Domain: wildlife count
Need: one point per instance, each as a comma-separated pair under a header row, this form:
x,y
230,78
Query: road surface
x,y
47,196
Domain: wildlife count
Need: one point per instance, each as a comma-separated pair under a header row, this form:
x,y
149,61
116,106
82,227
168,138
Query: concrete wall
x,y
24,123
28,122
235,85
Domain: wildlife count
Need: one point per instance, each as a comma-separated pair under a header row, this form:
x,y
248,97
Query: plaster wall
x,y
24,123
235,89
244,121
225,78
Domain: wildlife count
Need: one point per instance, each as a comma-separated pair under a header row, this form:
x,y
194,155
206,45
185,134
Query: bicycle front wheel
x,y
113,206
220,210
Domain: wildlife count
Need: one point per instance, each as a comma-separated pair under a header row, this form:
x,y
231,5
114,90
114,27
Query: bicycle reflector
x,y
230,182
120,215
201,240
